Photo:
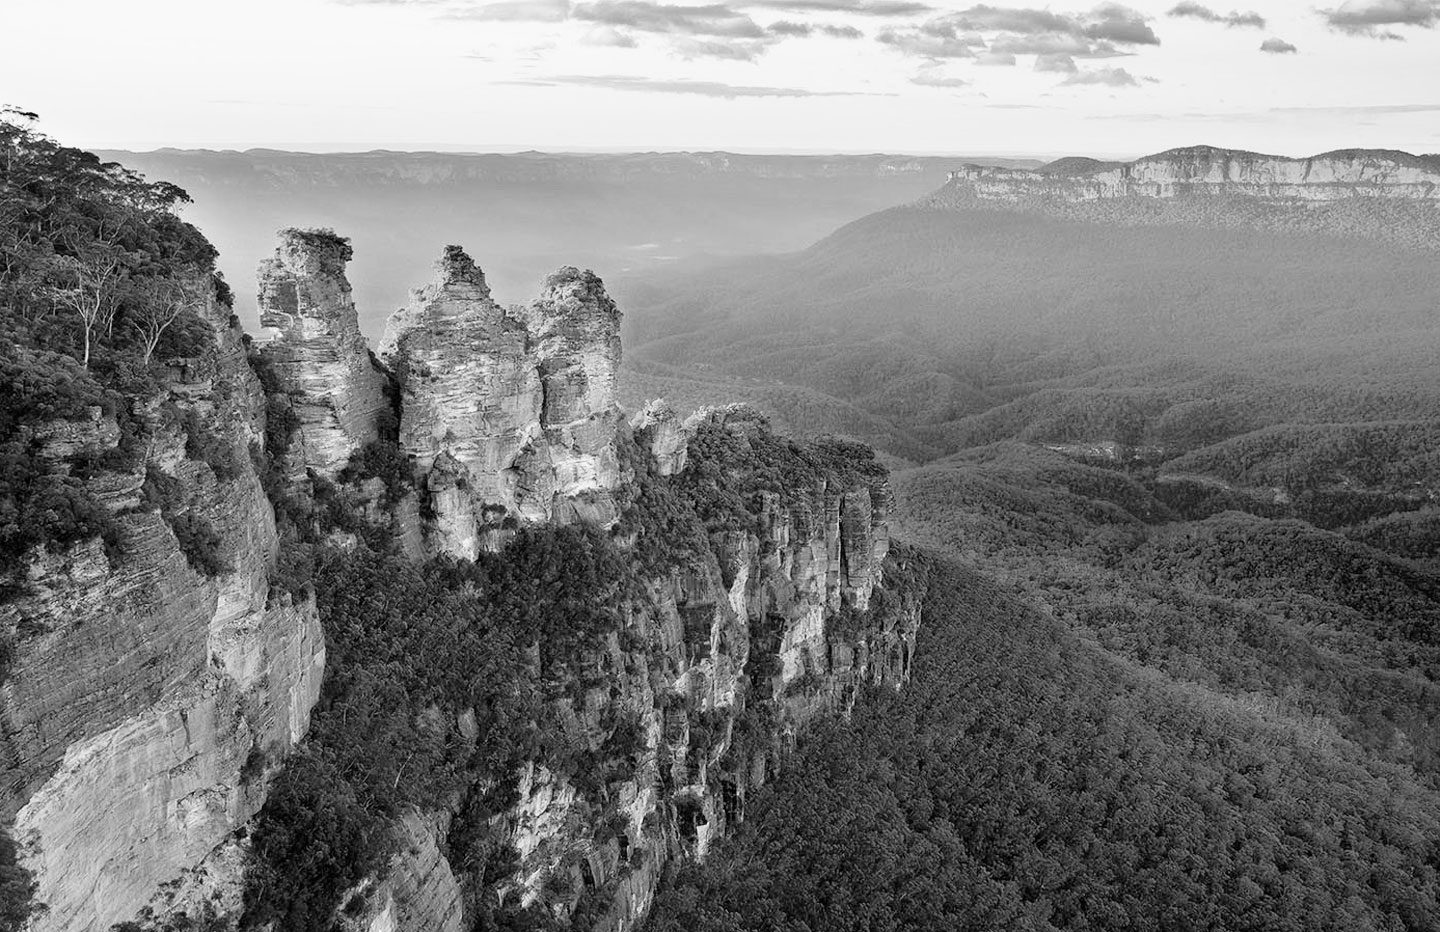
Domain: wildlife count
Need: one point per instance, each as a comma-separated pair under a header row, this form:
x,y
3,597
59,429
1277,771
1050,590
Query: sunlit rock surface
x,y
1205,170
509,414
319,353
148,704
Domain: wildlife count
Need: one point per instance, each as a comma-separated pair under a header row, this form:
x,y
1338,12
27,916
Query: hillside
x,y
1163,322
1033,778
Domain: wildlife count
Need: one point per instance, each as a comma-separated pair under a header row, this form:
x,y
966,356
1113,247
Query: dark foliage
x,y
1027,781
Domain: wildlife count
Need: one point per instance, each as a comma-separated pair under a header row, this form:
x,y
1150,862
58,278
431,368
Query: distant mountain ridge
x,y
284,167
1208,170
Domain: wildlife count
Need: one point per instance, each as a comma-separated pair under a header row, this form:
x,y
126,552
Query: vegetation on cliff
x,y
1030,779
100,283
444,679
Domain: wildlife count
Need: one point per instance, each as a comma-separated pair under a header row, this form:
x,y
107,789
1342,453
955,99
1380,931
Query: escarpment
x,y
746,592
433,638
155,681
1205,170
1372,194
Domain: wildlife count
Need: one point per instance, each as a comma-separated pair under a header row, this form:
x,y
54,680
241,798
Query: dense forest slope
x,y
1032,778
1182,596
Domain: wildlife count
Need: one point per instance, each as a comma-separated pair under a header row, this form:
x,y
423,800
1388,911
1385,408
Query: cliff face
x,y
321,357
153,695
719,662
1208,171
148,701
507,419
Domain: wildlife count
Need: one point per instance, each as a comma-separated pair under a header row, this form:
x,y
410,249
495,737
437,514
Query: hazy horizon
x,y
1106,79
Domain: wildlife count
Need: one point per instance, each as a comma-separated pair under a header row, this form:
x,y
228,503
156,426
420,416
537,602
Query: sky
x,y
897,76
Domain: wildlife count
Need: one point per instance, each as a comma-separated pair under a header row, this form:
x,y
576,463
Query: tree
x,y
89,288
160,302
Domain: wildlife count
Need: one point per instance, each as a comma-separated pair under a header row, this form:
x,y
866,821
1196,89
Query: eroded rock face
x,y
470,397
509,414
148,703
1204,170
664,434
319,353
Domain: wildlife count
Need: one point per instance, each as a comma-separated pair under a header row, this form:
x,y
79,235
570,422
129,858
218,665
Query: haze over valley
x,y
622,466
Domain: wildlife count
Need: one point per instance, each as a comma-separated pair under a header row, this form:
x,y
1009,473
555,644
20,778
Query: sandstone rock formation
x,y
1205,170
779,623
509,414
664,434
148,703
319,353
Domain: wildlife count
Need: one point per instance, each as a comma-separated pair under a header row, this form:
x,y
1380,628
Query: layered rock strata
x,y
319,354
720,662
1208,171
147,702
509,415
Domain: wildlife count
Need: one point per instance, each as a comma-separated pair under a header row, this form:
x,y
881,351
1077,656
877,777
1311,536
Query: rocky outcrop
x,y
575,332
776,629
148,701
1208,171
664,435
470,401
716,664
509,414
319,354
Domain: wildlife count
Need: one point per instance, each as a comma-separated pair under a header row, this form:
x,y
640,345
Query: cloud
x,y
805,30
924,45
934,77
727,49
1366,17
1277,47
1115,23
1002,59
1105,77
1232,19
698,88
711,19
1060,64
1024,31
1042,44
609,36
859,7
512,11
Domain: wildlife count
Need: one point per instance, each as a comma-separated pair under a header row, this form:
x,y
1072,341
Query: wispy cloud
x,y
932,41
711,19
805,30
506,11
1024,31
1277,47
699,88
1102,77
1058,64
858,7
936,77
1233,19
611,37
1373,17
